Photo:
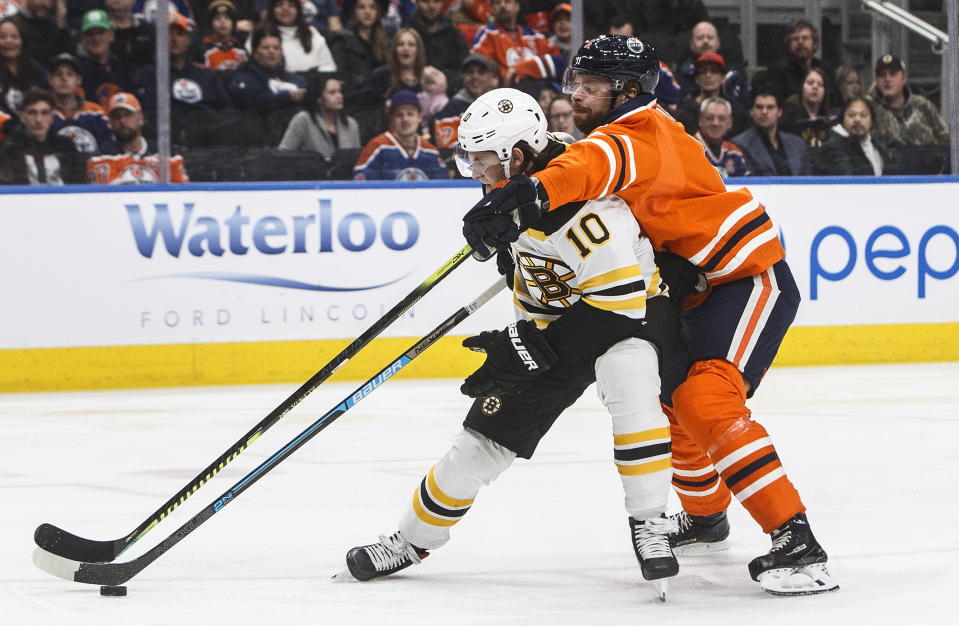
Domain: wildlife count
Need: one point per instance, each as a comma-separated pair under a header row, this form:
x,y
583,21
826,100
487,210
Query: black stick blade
x,y
69,546
111,574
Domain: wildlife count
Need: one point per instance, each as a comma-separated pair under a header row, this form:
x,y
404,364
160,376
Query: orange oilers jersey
x,y
130,169
4,119
218,58
678,197
508,49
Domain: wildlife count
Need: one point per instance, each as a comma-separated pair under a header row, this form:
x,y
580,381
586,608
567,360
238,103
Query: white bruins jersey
x,y
594,251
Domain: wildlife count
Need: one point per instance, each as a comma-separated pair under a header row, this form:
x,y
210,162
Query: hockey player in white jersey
x,y
590,307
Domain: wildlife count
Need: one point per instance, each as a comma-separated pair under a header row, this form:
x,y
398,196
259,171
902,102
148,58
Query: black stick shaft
x,y
119,573
67,545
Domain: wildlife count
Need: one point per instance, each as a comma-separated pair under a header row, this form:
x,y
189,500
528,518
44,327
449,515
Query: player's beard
x,y
586,119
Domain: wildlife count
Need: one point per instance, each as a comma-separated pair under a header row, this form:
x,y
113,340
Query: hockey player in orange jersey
x,y
742,298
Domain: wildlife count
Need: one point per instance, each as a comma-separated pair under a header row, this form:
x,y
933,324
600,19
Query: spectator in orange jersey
x,y
507,42
715,121
219,49
724,263
81,121
136,161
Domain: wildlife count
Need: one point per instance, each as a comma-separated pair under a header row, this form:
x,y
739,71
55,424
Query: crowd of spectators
x,y
374,89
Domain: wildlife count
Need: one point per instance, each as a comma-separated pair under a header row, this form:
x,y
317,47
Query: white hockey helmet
x,y
496,122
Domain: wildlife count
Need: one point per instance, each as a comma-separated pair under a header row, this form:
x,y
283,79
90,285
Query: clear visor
x,y
469,162
584,84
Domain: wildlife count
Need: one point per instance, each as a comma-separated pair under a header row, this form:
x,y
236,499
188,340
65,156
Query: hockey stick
x,y
70,546
119,573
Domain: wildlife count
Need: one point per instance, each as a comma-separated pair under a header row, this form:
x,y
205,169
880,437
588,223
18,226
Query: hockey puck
x,y
109,590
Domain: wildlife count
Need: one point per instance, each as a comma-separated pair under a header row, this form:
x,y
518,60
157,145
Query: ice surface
x,y
872,449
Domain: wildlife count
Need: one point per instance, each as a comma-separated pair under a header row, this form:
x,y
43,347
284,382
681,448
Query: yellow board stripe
x,y
613,276
442,498
645,468
426,516
251,363
627,439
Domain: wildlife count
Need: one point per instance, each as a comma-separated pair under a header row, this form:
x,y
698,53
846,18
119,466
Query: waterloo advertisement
x,y
101,269
275,263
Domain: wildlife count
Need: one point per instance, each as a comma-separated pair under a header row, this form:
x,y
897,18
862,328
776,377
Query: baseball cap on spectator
x,y
563,7
888,61
175,19
710,58
124,100
404,96
95,18
221,5
488,64
65,58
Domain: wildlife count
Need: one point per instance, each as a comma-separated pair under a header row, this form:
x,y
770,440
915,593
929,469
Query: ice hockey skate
x,y
795,565
387,556
656,559
695,534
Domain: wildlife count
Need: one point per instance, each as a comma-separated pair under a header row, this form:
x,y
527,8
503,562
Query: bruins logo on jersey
x,y
548,280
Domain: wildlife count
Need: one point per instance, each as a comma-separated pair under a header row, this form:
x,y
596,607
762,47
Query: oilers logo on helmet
x,y
635,45
620,59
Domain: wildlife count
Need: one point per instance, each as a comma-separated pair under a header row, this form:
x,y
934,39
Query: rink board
x,y
252,283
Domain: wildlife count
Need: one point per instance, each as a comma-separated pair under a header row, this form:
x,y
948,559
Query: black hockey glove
x,y
514,356
507,210
506,266
682,277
